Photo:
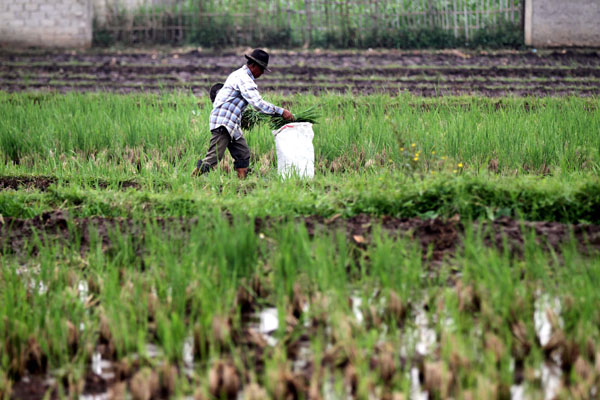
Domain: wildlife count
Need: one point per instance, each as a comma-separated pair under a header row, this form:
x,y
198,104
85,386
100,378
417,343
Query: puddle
x,y
416,393
427,338
302,360
331,392
40,286
517,392
551,375
550,371
83,291
188,356
102,367
356,305
543,326
153,351
420,336
268,324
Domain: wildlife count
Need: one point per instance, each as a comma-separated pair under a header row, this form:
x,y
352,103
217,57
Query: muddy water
x,y
268,323
546,316
544,307
547,308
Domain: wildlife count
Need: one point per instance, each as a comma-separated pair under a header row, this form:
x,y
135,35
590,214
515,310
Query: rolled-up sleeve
x,y
250,93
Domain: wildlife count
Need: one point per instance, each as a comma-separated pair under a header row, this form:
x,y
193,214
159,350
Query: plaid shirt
x,y
232,100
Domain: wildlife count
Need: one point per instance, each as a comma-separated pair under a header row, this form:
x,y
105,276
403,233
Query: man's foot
x,y
200,169
242,172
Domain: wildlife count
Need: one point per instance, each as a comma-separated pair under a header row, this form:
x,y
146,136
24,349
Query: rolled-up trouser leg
x,y
240,152
219,141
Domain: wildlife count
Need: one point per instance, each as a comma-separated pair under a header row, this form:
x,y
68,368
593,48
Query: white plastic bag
x,y
295,151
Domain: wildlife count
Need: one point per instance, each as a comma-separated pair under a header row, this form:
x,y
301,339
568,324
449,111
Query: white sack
x,y
295,151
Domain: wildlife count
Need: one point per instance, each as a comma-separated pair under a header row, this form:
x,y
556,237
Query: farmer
x,y
225,118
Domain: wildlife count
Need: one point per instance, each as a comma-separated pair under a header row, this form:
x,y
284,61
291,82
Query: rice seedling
x,y
252,118
309,115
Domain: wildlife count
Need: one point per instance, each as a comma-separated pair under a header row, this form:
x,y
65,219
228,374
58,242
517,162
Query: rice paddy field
x,y
447,247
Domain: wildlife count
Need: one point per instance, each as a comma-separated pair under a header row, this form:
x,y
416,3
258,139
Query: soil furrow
x,y
310,72
432,90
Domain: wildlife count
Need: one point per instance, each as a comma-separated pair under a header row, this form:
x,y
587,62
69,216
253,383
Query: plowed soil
x,y
520,73
440,237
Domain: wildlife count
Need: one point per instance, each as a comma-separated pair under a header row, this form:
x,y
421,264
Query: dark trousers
x,y
221,140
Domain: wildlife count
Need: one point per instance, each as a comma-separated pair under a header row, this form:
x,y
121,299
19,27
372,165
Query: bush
x,y
102,37
213,32
505,34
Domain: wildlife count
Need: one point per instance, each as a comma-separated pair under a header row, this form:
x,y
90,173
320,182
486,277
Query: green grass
x,y
558,134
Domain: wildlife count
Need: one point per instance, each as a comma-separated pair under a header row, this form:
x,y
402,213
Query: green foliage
x,y
341,25
216,32
505,34
102,37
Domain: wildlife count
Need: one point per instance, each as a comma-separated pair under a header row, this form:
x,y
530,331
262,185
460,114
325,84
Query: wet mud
x,y
42,183
453,72
33,387
437,237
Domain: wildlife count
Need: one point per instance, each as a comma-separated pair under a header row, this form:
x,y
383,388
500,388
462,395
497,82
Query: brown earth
x,y
33,387
441,237
43,182
455,72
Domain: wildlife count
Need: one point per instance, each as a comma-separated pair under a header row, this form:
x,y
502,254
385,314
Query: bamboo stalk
x,y
455,19
478,8
466,20
308,22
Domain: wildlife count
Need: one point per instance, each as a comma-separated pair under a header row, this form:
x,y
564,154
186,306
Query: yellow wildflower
x,y
416,158
433,152
413,145
401,148
454,171
460,165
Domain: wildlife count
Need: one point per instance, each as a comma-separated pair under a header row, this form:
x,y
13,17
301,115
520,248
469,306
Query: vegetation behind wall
x,y
318,23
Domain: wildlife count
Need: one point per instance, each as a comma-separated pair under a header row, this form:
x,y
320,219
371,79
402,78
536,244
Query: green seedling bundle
x,y
446,246
252,118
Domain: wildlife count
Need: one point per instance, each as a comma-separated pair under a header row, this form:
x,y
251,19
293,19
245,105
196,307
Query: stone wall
x,y
562,23
45,23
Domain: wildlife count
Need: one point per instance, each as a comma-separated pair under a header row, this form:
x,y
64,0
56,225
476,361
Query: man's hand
x,y
287,115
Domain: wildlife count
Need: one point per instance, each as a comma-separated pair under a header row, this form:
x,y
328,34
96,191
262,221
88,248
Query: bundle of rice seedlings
x,y
251,118
309,115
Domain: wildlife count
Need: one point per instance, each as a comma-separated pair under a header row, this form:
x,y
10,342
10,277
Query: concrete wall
x,y
45,23
562,23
